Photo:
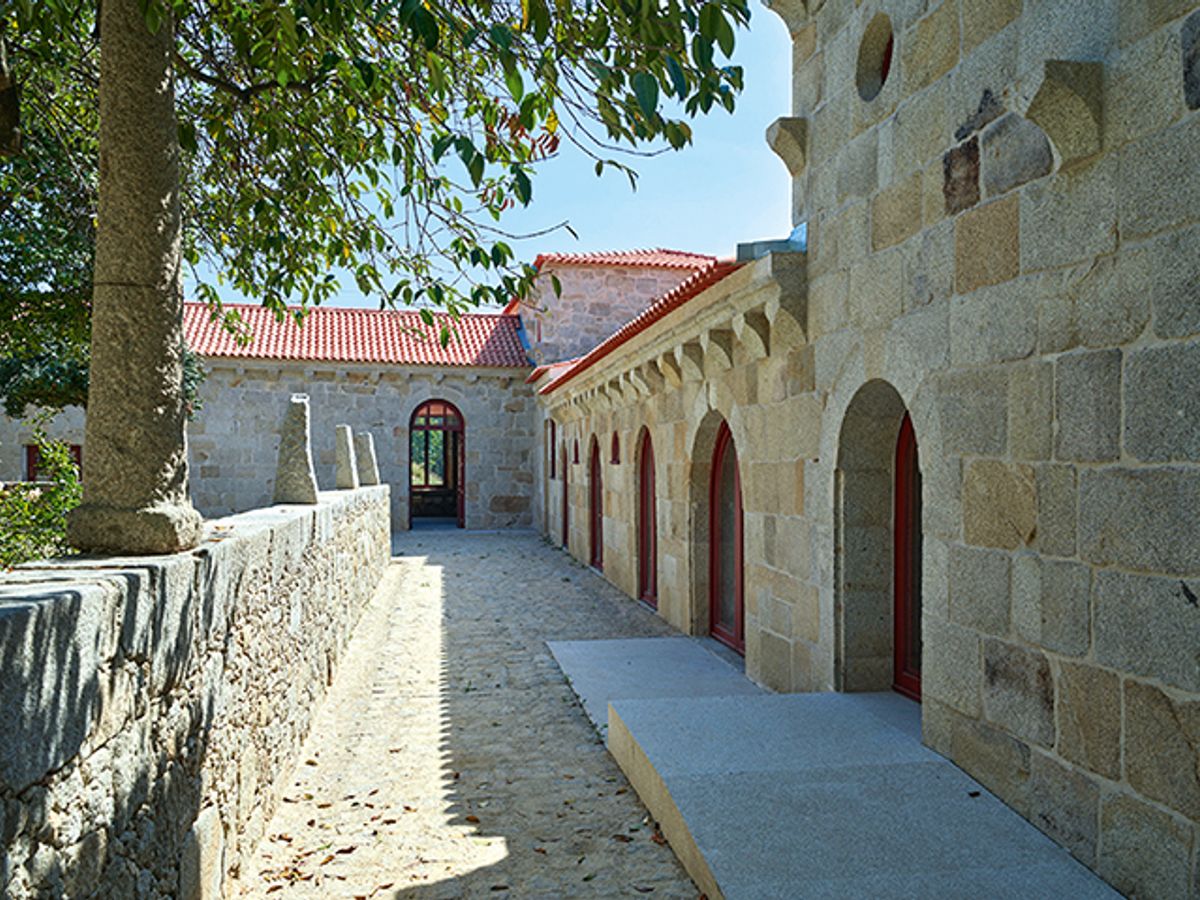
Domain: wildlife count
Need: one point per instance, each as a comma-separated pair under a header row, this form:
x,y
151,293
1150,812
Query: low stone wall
x,y
149,707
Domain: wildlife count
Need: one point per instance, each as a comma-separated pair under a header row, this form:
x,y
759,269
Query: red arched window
x,y
575,455
647,542
726,609
552,444
595,506
615,457
436,462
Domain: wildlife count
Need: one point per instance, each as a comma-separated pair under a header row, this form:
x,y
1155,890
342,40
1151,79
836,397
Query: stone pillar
x,y
345,468
364,456
295,480
135,496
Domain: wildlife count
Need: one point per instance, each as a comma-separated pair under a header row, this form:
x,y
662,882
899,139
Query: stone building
x,y
954,446
951,447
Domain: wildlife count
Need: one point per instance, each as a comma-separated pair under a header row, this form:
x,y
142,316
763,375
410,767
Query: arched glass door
x,y
907,568
595,507
726,618
437,434
647,525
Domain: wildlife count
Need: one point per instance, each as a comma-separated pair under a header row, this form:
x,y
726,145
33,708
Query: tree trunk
x,y
135,467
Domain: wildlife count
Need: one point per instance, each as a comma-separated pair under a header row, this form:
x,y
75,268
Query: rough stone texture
x,y
896,212
1057,497
364,458
345,467
135,495
960,177
1190,40
1051,604
983,18
1149,626
1089,718
1065,805
1031,411
1162,403
1014,151
1088,403
930,48
1162,741
999,504
295,480
1145,852
452,755
1123,519
1018,691
151,707
979,589
987,246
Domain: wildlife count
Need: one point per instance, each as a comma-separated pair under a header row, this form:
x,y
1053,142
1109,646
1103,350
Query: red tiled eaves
x,y
658,258
338,334
665,304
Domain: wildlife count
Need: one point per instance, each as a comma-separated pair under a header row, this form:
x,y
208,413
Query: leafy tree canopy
x,y
384,139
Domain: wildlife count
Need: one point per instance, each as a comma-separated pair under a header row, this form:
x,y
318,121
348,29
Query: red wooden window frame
x,y
33,460
907,564
443,416
566,499
575,455
553,444
735,639
596,507
647,526
615,456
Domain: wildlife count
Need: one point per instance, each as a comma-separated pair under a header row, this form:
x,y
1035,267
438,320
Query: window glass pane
x,y
416,440
436,461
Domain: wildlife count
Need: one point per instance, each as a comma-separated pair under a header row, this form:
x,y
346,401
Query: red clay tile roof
x,y
668,302
647,259
339,334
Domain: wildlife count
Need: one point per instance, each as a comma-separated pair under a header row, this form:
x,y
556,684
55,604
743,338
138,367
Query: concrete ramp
x,y
806,795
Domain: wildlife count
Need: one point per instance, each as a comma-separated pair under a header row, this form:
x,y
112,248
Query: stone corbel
x,y
669,368
1069,106
753,329
718,348
650,376
690,356
793,12
788,138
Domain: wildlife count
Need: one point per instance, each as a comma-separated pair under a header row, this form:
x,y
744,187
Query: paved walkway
x,y
451,758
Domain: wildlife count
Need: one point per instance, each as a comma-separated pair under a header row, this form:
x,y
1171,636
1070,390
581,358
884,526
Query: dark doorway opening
x,y
595,507
726,608
647,525
907,567
437,434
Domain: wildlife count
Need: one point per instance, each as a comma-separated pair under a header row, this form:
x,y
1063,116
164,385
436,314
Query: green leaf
x,y
645,88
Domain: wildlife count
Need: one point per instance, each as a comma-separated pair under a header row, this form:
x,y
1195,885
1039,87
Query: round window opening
x,y
875,57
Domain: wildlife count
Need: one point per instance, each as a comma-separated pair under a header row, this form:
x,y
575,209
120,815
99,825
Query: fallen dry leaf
x,y
474,820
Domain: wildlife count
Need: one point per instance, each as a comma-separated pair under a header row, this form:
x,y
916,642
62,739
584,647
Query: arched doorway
x,y
906,518
726,608
437,433
566,499
647,541
595,507
878,546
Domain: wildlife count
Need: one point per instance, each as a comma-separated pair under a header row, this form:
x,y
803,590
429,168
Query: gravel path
x,y
451,759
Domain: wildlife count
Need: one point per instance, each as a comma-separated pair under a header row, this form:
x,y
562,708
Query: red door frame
x,y
596,507
647,526
907,562
455,442
737,638
566,500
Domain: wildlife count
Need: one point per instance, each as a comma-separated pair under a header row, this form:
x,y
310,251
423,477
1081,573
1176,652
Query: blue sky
x,y
724,189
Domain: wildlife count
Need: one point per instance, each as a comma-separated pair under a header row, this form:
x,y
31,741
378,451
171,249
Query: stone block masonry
x,y
150,706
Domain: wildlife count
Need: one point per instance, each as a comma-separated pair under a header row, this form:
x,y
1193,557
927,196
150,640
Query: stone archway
x,y
870,576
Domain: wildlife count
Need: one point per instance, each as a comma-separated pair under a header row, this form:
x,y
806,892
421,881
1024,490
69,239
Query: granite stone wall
x,y
1004,244
233,443
150,707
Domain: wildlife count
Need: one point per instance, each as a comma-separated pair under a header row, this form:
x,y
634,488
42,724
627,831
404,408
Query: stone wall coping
x,y
62,621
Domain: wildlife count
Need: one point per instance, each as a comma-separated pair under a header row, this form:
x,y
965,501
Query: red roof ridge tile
x,y
650,258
